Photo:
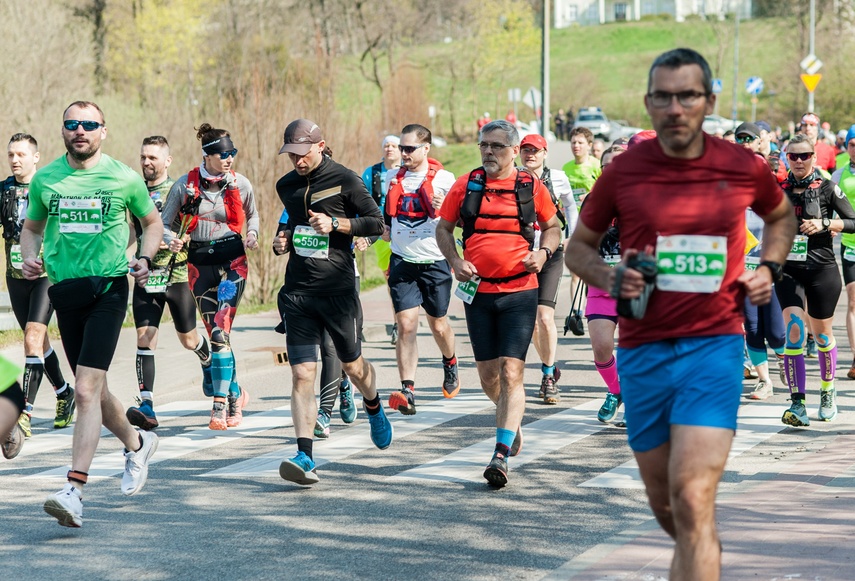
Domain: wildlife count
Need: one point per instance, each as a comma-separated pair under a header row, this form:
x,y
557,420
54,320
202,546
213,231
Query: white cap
x,y
391,139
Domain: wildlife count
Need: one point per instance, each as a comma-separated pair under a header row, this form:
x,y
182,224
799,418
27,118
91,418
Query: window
x,y
620,12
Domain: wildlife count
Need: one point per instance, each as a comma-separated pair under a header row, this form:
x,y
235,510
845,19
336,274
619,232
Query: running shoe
x,y
762,390
235,409
556,375
207,381
66,506
450,381
516,447
136,464
827,404
550,392
394,334
143,416
25,423
65,405
322,425
851,373
403,401
810,347
218,416
497,471
610,407
14,442
346,405
748,371
299,469
796,415
381,429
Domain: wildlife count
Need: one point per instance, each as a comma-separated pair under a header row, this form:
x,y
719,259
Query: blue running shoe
x,y
143,416
299,469
322,425
207,381
346,405
609,408
381,429
797,415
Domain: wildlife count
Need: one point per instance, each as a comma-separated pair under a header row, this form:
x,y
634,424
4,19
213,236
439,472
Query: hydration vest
x,y
377,182
546,178
396,204
235,215
473,220
9,209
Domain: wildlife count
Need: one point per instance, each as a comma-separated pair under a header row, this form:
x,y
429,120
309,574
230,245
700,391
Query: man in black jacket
x,y
327,206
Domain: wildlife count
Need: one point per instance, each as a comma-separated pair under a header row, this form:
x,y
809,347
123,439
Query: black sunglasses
x,y
802,156
409,149
72,125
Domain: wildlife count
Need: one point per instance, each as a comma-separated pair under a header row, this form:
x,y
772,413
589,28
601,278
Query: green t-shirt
x,y
158,196
582,177
86,229
9,373
847,186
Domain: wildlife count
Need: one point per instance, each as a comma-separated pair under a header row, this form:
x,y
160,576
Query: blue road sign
x,y
754,85
717,86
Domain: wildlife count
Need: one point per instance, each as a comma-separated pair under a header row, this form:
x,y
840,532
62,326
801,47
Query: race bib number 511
x,y
691,264
80,216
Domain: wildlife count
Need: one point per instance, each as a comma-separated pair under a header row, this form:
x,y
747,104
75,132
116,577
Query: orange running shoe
x,y
218,416
235,411
403,401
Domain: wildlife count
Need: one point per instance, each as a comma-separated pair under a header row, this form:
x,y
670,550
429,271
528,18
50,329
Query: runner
x,y
680,410
78,206
214,204
29,298
327,206
533,156
498,271
167,285
844,178
374,178
419,276
826,156
11,407
811,276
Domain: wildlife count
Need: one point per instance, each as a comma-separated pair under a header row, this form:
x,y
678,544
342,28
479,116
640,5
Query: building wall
x,y
586,12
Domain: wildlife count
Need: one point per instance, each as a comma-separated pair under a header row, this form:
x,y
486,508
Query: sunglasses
x,y
228,154
72,125
745,138
409,149
802,156
493,146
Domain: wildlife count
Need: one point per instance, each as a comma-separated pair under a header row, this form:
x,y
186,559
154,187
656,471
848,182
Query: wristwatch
x,y
548,253
147,260
776,269
334,223
826,223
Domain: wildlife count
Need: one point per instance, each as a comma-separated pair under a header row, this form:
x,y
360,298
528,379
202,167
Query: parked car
x,y
714,123
593,119
532,127
621,128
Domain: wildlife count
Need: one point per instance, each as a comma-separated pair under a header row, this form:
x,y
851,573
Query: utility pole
x,y
812,49
733,111
544,72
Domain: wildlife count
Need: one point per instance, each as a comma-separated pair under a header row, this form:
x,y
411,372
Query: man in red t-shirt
x,y
684,194
826,156
499,268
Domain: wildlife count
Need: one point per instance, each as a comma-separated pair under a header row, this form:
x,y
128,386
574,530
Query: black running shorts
x,y
501,324
29,299
148,307
306,317
821,287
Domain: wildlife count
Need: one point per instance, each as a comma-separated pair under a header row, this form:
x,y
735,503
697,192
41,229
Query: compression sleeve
x,y
170,209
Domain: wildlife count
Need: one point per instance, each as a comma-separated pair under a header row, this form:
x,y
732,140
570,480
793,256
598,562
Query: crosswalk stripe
x,y
756,423
176,446
58,439
539,438
354,441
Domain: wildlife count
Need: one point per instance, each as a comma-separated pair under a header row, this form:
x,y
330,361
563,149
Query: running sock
x,y
305,445
53,372
757,356
449,361
547,369
145,372
34,370
372,406
222,371
608,371
203,350
408,384
827,364
794,363
504,440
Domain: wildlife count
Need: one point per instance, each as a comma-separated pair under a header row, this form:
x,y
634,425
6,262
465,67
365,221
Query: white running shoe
x,y
827,405
136,464
66,506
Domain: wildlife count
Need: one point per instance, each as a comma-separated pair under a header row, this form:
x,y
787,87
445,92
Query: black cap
x,y
748,128
299,137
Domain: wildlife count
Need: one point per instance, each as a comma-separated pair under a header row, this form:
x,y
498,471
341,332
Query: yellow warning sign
x,y
751,241
811,81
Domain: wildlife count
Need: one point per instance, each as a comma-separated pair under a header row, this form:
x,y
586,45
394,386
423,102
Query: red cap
x,y
639,137
534,139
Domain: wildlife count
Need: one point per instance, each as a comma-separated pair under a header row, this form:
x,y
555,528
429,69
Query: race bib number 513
x,y
691,264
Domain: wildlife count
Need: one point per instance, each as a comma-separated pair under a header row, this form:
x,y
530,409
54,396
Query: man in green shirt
x,y
584,169
78,212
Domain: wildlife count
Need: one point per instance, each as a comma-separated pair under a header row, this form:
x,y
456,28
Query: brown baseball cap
x,y
300,135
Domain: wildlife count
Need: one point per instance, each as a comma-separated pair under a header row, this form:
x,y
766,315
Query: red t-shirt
x,y
651,194
826,156
498,255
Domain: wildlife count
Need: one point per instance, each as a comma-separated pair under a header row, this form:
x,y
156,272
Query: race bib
x,y
849,253
691,264
752,262
465,291
309,244
16,259
157,281
798,252
578,194
612,259
406,235
79,216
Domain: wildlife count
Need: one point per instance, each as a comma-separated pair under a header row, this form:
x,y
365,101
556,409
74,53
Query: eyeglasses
x,y
484,146
72,125
228,154
802,156
530,150
688,99
409,149
745,138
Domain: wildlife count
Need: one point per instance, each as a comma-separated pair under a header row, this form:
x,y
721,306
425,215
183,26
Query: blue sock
x,y
222,370
505,437
547,369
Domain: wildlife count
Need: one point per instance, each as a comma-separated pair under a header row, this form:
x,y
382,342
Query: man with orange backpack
x,y
419,275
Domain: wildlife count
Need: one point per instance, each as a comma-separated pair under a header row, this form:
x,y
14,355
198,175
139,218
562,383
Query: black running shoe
x,y
497,471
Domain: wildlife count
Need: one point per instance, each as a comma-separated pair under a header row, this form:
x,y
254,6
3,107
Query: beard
x,y
81,154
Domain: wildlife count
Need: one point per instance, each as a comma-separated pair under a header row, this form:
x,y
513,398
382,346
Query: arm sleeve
x,y
169,212
248,195
368,220
844,209
564,192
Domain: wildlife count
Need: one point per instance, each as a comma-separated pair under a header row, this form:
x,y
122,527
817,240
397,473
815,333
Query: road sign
x,y
532,98
754,85
514,95
811,64
811,81
717,86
